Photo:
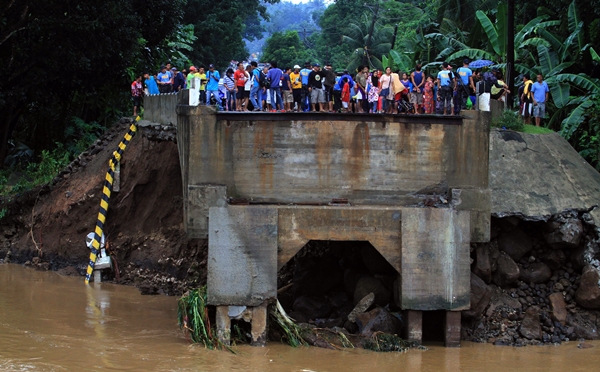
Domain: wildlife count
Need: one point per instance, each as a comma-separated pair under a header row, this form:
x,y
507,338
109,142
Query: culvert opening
x,y
325,280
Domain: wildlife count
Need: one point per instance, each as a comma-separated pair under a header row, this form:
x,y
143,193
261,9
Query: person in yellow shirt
x,y
296,81
527,99
200,74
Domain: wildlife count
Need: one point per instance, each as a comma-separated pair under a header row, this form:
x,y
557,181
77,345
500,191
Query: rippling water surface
x,y
53,323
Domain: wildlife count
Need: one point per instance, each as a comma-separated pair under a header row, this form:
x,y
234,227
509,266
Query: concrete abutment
x,y
260,186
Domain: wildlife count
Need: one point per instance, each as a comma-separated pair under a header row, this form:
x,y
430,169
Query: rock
x,y
312,307
507,271
369,284
588,293
481,294
554,258
531,327
582,327
482,267
558,307
148,289
35,260
351,278
516,243
565,235
376,320
362,306
494,255
535,273
502,300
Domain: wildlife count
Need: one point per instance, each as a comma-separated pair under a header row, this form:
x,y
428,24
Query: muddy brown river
x,y
50,322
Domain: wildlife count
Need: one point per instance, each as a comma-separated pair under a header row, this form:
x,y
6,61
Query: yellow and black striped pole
x,y
106,191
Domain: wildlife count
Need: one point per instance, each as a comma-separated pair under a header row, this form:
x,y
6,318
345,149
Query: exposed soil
x,y
144,225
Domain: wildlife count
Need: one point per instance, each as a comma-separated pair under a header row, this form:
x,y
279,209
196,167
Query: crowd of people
x,y
250,87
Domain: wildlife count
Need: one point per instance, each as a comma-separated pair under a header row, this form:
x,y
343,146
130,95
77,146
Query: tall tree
x,y
219,28
66,58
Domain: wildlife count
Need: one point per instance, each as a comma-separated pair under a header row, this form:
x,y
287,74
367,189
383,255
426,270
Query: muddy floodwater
x,y
50,322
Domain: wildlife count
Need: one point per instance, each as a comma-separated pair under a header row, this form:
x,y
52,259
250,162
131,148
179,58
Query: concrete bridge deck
x,y
259,186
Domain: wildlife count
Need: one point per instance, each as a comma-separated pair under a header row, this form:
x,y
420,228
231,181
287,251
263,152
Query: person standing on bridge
x,y
275,76
212,86
315,87
137,92
254,95
445,88
240,76
305,93
296,80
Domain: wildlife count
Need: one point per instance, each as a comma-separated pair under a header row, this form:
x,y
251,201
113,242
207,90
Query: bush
x,y
509,120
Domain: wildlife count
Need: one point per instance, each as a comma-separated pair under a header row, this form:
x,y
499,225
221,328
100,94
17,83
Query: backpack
x,y
263,81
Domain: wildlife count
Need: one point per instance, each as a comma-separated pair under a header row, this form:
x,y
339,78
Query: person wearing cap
x,y
465,86
212,85
178,80
296,80
164,80
305,93
191,76
445,88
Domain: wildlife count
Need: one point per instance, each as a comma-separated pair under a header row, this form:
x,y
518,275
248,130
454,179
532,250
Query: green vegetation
x,y
509,120
532,129
192,314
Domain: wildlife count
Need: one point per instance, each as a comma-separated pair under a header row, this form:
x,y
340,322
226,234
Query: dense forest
x,y
69,64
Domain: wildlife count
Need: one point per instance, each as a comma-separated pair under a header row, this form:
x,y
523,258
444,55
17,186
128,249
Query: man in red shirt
x,y
137,91
240,76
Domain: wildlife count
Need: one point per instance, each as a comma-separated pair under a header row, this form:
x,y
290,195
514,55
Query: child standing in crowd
x,y
373,92
345,94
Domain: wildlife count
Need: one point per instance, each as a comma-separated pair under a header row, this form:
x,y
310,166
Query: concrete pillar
x,y
97,276
259,325
223,325
414,325
452,329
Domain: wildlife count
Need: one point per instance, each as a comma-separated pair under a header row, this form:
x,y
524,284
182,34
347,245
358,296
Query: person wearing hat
x,y
296,80
178,80
465,82
164,80
305,94
212,85
445,88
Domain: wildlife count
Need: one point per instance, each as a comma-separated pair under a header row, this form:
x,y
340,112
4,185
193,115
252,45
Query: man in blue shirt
x,y
540,96
150,84
305,94
212,86
275,75
164,80
466,84
445,88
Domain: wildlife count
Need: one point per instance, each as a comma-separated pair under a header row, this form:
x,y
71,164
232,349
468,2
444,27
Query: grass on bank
x,y
511,120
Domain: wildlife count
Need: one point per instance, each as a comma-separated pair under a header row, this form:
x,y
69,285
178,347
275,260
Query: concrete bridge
x,y
260,186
